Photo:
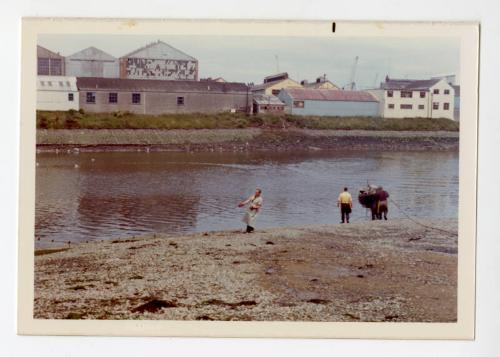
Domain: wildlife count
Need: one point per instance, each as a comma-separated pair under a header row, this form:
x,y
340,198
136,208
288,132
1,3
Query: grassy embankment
x,y
125,120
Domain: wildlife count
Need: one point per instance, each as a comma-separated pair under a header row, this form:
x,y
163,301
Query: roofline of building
x,y
95,48
130,54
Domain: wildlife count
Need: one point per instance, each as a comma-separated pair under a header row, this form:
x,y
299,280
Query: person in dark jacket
x,y
382,205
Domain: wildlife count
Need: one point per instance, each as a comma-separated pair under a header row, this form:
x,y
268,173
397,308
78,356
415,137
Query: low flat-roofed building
x,y
155,97
329,102
56,93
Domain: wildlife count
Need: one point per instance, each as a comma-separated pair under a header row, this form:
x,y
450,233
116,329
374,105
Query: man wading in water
x,y
255,204
345,204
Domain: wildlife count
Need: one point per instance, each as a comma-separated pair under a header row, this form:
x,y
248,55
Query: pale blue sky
x,y
251,58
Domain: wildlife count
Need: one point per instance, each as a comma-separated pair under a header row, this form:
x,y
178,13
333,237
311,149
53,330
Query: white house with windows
x,y
410,98
56,93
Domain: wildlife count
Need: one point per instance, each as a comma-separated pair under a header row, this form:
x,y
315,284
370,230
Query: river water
x,y
119,194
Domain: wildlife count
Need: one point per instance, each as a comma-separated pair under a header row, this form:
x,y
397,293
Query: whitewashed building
x,y
56,93
409,98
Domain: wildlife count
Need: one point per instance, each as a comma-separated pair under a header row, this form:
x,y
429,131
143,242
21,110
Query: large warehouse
x,y
329,102
158,97
159,60
49,63
92,62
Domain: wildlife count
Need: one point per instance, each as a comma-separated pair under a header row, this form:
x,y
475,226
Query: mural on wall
x,y
162,69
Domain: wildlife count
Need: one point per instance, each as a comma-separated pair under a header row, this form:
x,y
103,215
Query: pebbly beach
x,y
396,270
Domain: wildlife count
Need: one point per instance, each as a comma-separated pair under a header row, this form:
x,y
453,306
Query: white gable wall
x,y
53,93
441,98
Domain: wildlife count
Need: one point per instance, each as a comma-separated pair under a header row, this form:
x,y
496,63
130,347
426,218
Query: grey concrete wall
x,y
159,103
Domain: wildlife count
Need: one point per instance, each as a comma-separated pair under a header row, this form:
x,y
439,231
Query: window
x,y
90,97
406,94
49,83
435,91
390,93
406,106
435,105
70,97
180,100
421,106
298,104
446,106
275,91
55,67
68,84
43,66
42,83
61,84
422,94
446,91
390,106
113,98
136,98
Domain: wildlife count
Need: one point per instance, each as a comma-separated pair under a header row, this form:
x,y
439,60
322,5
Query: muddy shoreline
x,y
365,271
243,140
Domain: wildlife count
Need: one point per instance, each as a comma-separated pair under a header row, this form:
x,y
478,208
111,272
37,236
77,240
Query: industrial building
x,y
92,62
159,61
49,63
320,83
329,102
410,98
267,104
274,84
56,93
158,97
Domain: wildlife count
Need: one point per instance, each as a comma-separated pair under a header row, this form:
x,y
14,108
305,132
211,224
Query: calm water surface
x,y
122,194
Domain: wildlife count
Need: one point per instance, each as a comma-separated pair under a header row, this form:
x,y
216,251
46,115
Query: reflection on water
x,y
126,193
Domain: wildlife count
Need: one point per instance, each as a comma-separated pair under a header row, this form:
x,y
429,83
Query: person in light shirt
x,y
253,209
345,203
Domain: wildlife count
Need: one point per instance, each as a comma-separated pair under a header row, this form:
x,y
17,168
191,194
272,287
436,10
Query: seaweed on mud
x,y
154,306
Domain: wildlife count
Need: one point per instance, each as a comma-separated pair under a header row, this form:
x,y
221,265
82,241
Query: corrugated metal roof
x,y
151,85
91,54
410,84
159,50
267,99
330,95
45,53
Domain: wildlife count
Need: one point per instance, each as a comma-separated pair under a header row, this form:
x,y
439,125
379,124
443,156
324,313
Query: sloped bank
x,y
366,271
242,140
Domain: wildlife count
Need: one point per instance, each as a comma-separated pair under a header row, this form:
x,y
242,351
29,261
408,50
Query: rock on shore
x,y
367,271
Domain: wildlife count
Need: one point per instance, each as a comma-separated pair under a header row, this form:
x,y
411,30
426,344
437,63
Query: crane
x,y
352,83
